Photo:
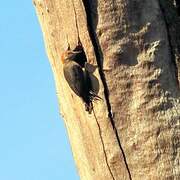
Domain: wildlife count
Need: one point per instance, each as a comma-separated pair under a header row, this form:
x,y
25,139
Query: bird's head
x,y
68,55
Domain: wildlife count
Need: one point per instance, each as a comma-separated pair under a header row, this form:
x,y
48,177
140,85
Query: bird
x,y
77,78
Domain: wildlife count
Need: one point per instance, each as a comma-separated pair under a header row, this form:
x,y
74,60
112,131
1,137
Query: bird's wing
x,y
74,75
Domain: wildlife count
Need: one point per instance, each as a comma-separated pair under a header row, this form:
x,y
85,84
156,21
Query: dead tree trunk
x,y
134,132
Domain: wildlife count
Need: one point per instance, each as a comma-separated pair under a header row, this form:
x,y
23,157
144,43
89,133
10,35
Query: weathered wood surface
x,y
134,132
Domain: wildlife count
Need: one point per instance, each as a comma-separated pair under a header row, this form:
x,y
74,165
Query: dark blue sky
x,y
34,144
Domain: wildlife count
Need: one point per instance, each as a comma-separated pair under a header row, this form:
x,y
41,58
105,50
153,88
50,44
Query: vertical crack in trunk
x,y
76,20
99,128
98,53
100,134
171,48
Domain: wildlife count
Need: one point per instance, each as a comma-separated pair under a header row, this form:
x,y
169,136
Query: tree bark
x,y
133,133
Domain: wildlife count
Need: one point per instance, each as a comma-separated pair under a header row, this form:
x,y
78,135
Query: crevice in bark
x,y
100,134
99,128
76,21
99,58
171,48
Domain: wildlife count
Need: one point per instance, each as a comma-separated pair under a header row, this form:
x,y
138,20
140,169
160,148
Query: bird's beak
x,y
76,52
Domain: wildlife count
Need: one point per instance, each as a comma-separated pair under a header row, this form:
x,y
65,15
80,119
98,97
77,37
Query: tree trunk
x,y
133,133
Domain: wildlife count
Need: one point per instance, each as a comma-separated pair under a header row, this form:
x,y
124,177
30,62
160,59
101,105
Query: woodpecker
x,y
77,78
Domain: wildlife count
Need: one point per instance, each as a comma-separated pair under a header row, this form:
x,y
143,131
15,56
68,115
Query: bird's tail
x,y
89,107
91,98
